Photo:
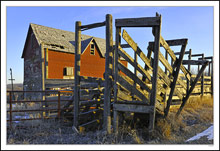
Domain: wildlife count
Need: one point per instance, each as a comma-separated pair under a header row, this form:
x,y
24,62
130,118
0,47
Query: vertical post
x,y
153,95
10,100
212,76
58,104
189,68
77,72
166,57
202,80
43,76
209,72
13,97
118,43
108,71
116,120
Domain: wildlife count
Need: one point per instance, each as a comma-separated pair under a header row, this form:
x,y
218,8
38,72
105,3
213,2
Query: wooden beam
x,y
153,95
193,84
116,56
189,69
133,108
138,22
176,73
90,26
135,47
196,55
178,53
108,72
77,73
194,62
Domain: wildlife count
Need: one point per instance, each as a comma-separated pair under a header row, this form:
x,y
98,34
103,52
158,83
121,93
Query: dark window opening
x,y
92,50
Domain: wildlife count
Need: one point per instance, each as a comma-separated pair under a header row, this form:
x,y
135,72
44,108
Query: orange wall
x,y
91,65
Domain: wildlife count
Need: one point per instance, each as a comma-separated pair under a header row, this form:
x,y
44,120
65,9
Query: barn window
x,y
92,50
68,71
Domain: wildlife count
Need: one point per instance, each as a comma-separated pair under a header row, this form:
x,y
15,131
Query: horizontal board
x,y
133,108
138,22
194,62
90,26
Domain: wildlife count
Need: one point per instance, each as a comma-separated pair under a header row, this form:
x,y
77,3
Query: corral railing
x,y
36,109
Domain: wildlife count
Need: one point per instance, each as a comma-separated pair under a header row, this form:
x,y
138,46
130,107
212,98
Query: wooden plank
x,y
122,95
130,60
177,42
130,88
176,73
178,53
165,63
133,76
135,47
196,55
91,102
193,84
116,72
125,46
91,79
107,94
133,108
153,96
189,69
90,26
138,22
194,62
77,73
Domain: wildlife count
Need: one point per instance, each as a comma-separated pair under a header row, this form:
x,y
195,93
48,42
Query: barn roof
x,y
62,40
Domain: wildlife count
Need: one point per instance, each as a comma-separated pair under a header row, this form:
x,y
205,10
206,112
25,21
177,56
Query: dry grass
x,y
198,110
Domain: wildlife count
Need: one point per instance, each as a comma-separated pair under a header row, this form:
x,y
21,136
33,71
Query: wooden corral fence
x,y
101,101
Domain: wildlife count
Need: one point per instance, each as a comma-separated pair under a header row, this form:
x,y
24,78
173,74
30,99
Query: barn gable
x,y
61,40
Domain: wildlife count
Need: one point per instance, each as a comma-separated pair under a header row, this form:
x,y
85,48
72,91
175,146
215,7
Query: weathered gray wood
x,y
125,46
176,73
130,60
77,72
178,53
107,93
115,121
149,53
124,96
210,57
91,102
196,55
116,56
133,76
130,88
189,69
153,95
135,47
133,108
90,26
194,62
138,22
212,77
202,80
193,84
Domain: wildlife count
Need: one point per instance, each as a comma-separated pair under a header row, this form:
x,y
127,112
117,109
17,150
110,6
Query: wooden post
x,y
202,79
108,72
153,95
10,100
43,77
116,121
118,43
189,68
77,72
209,72
212,77
173,84
58,104
193,84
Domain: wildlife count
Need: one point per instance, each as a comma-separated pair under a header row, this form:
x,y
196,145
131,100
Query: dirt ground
x,y
196,117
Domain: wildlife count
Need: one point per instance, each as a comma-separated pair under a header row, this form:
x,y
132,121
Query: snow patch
x,y
208,132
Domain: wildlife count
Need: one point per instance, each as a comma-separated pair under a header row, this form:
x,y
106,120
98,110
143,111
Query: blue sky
x,y
194,23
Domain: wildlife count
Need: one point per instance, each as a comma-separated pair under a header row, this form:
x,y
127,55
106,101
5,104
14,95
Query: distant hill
x,y
17,86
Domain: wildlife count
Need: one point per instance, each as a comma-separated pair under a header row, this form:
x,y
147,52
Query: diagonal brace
x,y
191,88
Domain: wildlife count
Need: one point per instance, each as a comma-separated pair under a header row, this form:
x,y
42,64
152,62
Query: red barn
x,y
49,54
